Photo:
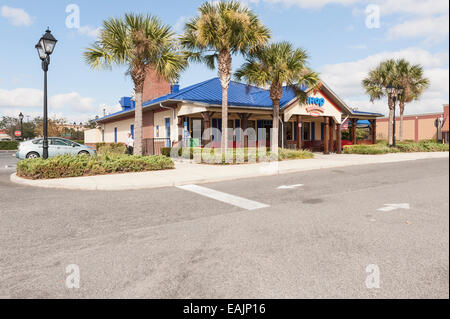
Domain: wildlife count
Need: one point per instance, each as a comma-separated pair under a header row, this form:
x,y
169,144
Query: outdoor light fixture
x,y
21,125
390,88
45,47
394,92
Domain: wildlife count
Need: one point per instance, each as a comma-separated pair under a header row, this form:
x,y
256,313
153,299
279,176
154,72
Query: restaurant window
x,y
307,131
290,131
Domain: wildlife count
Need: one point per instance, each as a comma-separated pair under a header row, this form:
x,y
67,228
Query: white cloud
x,y
21,97
72,100
434,29
108,109
30,98
345,78
179,25
418,7
90,31
18,17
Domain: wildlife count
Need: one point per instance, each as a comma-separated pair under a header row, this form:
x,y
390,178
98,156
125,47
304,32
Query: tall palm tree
x,y
274,66
414,83
138,42
220,30
376,83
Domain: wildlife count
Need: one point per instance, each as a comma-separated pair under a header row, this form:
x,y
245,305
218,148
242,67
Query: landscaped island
x,y
85,165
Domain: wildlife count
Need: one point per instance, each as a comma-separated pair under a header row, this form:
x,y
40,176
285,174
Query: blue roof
x,y
210,92
239,94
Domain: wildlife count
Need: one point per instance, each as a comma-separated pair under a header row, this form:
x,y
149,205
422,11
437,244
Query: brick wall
x,y
154,86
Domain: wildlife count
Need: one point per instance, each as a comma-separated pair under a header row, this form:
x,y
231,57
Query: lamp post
x,y
21,125
45,48
394,94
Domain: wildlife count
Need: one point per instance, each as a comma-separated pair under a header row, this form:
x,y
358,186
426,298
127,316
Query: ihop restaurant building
x,y
168,117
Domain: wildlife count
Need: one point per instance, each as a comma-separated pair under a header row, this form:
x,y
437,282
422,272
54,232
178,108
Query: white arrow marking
x,y
391,207
290,186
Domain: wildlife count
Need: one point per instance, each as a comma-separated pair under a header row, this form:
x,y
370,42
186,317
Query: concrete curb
x,y
200,173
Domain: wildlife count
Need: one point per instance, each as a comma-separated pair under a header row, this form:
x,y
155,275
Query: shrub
x,y
110,148
85,165
294,154
368,149
8,145
238,155
403,147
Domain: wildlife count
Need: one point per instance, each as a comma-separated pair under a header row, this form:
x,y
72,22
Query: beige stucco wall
x,y
427,129
93,136
160,124
123,128
408,129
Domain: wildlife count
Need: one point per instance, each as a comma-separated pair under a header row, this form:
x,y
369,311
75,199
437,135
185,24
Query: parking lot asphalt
x,y
317,234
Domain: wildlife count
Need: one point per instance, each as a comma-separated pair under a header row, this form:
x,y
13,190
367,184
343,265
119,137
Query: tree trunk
x,y
402,109
138,125
276,113
224,65
391,119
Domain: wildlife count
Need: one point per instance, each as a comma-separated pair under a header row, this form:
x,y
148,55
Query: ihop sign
x,y
316,105
315,101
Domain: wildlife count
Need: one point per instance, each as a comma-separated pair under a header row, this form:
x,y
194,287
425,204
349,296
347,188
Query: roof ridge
x,y
181,91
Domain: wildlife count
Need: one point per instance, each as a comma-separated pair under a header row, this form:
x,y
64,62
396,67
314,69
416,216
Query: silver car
x,y
56,146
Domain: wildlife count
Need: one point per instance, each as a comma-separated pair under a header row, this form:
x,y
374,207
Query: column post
x,y
206,125
374,131
326,135
180,128
244,125
354,121
331,130
299,132
339,138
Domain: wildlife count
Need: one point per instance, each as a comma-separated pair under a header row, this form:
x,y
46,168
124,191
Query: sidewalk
x,y
189,173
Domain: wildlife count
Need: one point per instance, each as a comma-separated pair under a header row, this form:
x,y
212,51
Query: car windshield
x,y
40,141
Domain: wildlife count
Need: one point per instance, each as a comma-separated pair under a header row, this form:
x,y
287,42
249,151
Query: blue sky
x,y
342,48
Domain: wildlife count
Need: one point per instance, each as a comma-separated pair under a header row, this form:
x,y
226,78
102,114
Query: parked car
x,y
56,146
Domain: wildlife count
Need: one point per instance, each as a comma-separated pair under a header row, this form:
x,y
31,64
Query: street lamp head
x,y
48,42
390,88
400,90
41,52
21,116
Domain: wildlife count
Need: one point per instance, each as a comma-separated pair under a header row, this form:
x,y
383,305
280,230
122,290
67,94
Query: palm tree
x,y
274,66
376,83
139,42
220,30
413,82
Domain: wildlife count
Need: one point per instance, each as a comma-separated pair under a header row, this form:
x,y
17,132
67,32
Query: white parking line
x,y
224,197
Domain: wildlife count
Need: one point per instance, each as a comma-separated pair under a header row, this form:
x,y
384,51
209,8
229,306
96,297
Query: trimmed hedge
x,y
402,147
85,165
238,155
110,148
9,145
